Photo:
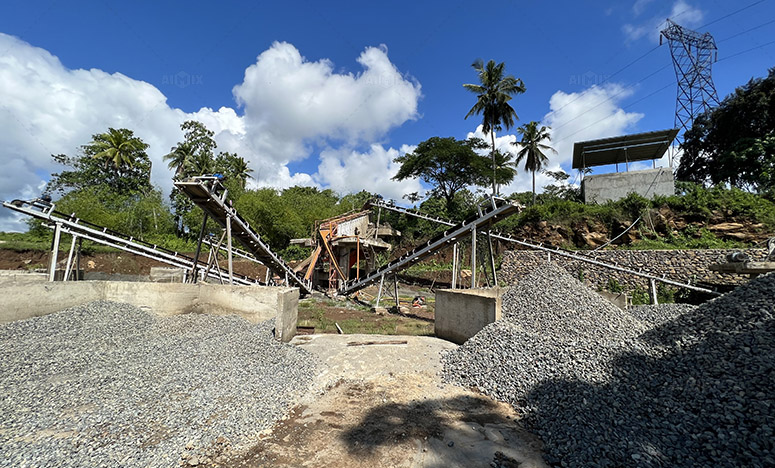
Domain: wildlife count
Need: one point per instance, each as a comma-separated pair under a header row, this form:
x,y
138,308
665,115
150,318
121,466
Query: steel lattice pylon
x,y
693,54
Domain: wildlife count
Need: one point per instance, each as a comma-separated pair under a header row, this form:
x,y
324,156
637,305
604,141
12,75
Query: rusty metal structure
x,y
344,247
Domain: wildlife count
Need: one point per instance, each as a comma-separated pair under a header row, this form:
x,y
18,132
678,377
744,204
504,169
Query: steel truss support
x,y
693,55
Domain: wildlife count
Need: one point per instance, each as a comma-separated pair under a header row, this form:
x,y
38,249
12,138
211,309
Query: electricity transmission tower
x,y
693,53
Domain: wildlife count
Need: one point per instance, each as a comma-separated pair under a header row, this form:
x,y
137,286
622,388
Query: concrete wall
x,y
601,188
26,299
461,313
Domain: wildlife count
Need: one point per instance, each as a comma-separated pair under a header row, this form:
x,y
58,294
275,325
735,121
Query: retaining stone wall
x,y
679,265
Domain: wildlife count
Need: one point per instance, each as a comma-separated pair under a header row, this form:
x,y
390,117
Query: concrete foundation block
x,y
461,313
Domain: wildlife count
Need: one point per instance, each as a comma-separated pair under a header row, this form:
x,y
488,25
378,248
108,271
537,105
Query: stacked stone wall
x,y
687,266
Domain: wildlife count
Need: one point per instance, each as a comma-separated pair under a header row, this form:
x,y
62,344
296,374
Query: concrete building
x,y
621,151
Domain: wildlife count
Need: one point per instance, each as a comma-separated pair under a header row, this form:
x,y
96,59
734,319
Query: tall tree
x,y
115,158
532,151
179,157
735,142
234,167
120,147
493,93
446,163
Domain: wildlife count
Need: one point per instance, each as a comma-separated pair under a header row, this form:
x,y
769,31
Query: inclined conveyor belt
x,y
498,210
70,224
553,250
208,194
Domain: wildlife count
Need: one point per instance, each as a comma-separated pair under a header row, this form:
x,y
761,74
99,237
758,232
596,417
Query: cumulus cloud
x,y
587,115
289,104
350,171
681,12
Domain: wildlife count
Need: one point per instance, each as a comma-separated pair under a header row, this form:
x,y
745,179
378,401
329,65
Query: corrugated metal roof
x,y
620,149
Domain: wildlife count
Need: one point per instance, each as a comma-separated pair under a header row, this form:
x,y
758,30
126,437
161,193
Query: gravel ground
x,y
697,388
654,315
108,384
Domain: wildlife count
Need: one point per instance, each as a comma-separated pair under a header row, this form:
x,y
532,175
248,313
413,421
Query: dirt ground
x,y
379,401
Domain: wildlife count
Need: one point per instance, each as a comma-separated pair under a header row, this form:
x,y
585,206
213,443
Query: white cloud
x,y
289,104
588,115
351,171
639,6
681,12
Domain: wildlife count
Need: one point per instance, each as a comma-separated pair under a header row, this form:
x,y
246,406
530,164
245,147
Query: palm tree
x,y
240,169
200,164
532,149
493,95
119,146
179,157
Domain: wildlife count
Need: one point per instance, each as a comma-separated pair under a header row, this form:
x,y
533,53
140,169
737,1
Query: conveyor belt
x,y
208,194
70,224
553,250
499,210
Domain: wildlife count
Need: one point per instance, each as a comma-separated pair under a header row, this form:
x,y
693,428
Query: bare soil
x,y
379,401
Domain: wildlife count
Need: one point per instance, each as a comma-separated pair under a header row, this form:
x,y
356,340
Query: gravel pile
x,y
695,390
551,302
654,315
552,327
108,384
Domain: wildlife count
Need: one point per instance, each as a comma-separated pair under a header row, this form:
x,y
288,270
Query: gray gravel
x,y
551,302
654,315
696,389
108,384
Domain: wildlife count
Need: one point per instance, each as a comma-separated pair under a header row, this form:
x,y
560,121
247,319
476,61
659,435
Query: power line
x,y
605,80
731,14
746,51
746,31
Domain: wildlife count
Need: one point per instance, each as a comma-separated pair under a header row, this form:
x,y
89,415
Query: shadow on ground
x,y
462,431
707,399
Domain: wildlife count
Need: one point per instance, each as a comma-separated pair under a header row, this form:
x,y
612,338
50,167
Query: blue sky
x,y
328,94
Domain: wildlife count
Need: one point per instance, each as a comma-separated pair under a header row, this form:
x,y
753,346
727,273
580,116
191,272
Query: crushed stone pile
x,y
654,315
696,388
110,384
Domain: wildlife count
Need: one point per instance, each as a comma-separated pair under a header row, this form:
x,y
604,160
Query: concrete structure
x,y
461,313
167,275
23,300
19,276
601,188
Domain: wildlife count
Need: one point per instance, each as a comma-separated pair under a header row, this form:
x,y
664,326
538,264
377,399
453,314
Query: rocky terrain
x,y
659,386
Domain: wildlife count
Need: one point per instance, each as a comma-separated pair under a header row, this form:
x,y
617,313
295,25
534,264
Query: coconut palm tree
x,y
179,157
532,151
240,169
118,146
493,95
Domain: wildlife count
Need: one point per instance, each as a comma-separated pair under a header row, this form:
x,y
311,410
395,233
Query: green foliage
x,y
116,159
532,150
735,142
138,215
640,296
697,200
295,252
614,286
447,164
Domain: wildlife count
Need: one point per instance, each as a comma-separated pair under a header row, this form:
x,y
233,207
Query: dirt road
x,y
379,402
